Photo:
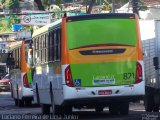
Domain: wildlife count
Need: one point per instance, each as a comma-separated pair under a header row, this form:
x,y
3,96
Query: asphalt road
x,y
8,111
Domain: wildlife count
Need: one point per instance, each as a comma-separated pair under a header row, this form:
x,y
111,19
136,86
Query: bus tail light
x,y
68,77
138,73
25,81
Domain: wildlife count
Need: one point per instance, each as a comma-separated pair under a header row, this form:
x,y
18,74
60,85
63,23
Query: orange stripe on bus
x,y
64,53
77,58
23,58
139,44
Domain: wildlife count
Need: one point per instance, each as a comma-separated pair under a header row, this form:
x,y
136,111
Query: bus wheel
x,y
56,109
67,109
113,108
45,109
124,108
16,102
149,102
11,91
37,95
28,103
20,103
99,109
156,108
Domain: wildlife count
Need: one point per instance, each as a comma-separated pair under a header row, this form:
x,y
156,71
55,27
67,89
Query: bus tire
x,y
56,109
156,108
37,95
149,103
53,106
99,109
16,102
67,110
28,103
124,108
113,108
20,103
45,109
11,91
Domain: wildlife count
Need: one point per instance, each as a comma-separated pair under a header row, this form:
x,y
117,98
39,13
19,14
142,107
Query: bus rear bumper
x,y
27,92
102,100
112,93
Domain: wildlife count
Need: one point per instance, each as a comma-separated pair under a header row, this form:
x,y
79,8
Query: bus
x,y
20,63
3,58
5,40
91,61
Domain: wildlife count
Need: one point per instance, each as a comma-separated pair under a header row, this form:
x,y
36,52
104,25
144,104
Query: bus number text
x,y
127,76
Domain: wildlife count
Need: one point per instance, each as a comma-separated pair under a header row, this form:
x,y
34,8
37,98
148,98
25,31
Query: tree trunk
x,y
39,4
135,6
91,6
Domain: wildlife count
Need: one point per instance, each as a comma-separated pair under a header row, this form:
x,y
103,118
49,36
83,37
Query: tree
x,y
42,4
1,2
136,6
45,3
11,5
39,4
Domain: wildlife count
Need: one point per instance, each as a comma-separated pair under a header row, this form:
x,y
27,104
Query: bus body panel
x,y
90,92
119,68
104,54
17,84
102,60
20,72
79,92
44,77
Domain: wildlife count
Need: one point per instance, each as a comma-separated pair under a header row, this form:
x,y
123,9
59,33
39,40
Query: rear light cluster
x,y
68,77
138,73
25,81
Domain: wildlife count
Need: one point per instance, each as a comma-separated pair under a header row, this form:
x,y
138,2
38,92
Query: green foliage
x,y
7,21
1,2
144,7
106,7
45,3
118,1
11,5
58,2
8,4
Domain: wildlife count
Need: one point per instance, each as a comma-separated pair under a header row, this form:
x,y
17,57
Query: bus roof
x,y
46,28
83,17
101,16
7,33
15,45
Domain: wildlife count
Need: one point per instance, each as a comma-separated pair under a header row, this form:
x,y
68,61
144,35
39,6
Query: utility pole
x,y
91,6
113,6
135,6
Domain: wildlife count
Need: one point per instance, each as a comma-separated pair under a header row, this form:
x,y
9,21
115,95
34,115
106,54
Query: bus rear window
x,y
101,31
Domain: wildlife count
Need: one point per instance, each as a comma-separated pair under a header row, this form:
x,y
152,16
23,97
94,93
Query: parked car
x,y
5,83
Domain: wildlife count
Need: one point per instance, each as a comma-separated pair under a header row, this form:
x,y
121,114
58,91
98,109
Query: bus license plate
x,y
104,92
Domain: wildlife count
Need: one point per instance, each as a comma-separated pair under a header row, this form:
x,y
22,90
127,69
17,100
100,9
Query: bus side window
x,y
55,44
50,47
10,60
58,44
47,51
36,50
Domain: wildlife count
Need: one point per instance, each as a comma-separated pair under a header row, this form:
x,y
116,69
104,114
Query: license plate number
x,y
104,92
